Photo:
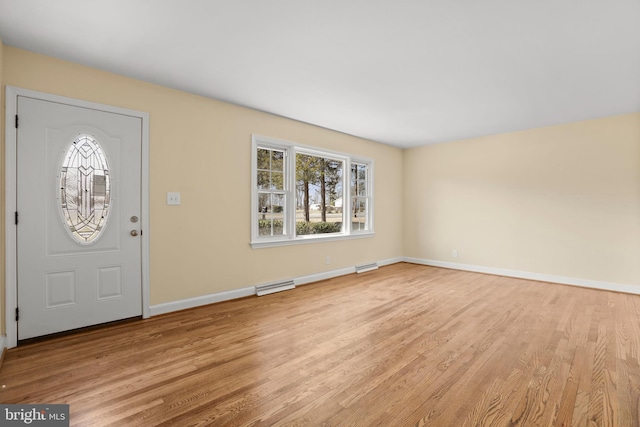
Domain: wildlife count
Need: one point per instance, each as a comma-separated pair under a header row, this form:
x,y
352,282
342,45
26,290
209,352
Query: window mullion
x,y
346,196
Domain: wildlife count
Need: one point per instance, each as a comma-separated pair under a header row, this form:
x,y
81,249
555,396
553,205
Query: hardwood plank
x,y
405,345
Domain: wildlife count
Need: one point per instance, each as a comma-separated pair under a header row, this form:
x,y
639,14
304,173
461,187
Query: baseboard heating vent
x,y
366,267
270,288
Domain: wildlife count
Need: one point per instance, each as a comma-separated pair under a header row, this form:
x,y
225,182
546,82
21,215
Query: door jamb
x,y
11,285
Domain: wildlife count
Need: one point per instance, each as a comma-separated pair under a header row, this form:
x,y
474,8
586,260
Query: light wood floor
x,y
406,345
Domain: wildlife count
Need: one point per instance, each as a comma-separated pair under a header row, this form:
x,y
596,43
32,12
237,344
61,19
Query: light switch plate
x,y
173,199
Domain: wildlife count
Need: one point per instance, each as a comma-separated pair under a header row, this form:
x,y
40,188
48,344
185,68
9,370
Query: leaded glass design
x,y
85,190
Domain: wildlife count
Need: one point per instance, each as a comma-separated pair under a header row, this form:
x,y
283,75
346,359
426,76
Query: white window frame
x,y
289,238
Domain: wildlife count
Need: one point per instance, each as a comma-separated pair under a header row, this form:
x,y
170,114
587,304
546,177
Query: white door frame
x,y
11,291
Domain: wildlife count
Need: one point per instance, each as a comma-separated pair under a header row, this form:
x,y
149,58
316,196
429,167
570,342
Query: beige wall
x,y
202,148
562,200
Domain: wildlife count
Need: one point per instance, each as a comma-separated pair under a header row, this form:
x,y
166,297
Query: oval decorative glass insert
x,y
85,190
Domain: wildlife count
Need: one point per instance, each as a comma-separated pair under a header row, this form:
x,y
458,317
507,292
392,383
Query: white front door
x,y
78,209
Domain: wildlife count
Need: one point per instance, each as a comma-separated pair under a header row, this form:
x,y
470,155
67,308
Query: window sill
x,y
309,239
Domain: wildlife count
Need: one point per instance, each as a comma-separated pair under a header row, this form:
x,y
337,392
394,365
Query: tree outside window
x,y
319,187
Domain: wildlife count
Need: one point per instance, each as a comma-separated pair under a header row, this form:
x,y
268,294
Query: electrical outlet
x,y
173,199
327,260
454,253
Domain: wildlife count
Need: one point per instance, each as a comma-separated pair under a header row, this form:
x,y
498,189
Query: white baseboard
x,y
184,304
616,287
390,261
168,307
303,280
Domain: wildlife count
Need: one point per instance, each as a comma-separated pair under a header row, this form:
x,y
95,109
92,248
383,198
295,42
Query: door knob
x,y
134,233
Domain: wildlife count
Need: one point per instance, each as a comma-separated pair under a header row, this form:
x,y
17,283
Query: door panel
x,y
65,284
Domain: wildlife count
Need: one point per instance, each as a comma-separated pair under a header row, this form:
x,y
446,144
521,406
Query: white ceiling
x,y
401,72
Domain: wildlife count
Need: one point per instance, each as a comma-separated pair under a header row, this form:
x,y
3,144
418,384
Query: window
x,y
359,196
271,195
318,194
302,194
